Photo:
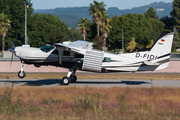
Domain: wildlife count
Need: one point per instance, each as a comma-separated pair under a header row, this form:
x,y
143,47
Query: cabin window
x,y
76,55
46,48
106,59
66,53
55,51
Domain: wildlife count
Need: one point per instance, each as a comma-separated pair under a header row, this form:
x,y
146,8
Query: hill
x,y
162,9
70,19
71,15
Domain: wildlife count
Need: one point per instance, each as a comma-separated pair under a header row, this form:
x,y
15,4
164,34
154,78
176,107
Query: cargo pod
x,y
93,61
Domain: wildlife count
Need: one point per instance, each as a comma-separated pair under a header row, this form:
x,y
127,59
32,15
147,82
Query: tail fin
x,y
162,47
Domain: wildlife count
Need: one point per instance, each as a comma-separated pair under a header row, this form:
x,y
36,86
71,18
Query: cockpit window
x,y
46,48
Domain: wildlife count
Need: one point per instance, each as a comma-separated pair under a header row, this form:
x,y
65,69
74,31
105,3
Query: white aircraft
x,y
80,55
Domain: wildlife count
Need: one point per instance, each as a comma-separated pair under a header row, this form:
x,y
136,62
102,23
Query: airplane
x,y
80,55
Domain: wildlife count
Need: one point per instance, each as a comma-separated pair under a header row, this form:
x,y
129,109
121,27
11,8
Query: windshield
x,y
46,48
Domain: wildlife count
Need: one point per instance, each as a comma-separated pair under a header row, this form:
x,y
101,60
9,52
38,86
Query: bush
x,y
6,104
87,102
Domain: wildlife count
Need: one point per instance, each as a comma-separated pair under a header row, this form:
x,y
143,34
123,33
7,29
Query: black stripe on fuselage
x,y
164,55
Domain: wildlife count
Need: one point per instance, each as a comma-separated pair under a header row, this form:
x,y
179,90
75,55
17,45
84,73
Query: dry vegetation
x,y
97,76
73,103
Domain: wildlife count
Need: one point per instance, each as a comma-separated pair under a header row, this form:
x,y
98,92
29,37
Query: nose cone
x,y
12,50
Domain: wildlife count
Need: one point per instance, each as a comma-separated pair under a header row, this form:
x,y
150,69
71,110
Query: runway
x,y
105,83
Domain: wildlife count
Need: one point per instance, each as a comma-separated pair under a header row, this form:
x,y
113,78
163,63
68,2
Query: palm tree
x,y
82,26
4,26
97,10
105,28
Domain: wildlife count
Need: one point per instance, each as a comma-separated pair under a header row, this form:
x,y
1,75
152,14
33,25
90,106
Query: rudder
x,y
162,47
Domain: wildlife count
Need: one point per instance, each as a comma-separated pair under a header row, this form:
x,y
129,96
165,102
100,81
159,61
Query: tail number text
x,y
146,56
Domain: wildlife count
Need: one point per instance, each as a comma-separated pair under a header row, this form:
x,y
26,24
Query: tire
x,y
73,78
66,80
37,65
21,75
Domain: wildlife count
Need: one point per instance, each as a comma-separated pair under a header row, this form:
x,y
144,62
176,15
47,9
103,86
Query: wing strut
x,y
59,54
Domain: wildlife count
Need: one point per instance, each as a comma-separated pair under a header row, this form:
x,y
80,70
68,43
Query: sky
x,y
121,4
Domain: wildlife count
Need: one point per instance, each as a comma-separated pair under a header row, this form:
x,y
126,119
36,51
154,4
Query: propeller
x,y
12,49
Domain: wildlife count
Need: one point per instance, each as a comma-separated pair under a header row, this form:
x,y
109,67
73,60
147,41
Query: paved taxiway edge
x,y
105,83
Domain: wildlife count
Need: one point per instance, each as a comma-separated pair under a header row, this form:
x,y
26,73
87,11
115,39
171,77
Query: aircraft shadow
x,y
120,82
42,82
35,83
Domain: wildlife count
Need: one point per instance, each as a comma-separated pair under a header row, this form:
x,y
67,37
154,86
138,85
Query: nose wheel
x,y
22,74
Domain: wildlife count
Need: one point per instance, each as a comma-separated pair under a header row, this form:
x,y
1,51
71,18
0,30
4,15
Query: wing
x,y
79,46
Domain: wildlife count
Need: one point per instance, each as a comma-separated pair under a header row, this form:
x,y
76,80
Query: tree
x,y
157,28
136,26
82,26
168,21
98,42
74,34
151,13
46,29
131,46
4,27
176,42
105,28
91,31
115,39
16,14
150,45
175,13
97,10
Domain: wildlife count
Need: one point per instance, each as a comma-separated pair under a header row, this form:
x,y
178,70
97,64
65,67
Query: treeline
x,y
41,28
49,29
139,30
135,26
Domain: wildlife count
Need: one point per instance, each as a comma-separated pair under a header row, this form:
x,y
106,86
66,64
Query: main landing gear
x,y
70,78
22,74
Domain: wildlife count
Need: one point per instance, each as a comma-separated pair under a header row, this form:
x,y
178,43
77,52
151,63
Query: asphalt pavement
x,y
105,83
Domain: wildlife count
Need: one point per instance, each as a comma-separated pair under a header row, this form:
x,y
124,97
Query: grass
x,y
73,103
96,76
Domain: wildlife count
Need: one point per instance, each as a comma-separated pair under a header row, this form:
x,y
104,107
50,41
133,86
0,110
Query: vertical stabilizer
x,y
162,47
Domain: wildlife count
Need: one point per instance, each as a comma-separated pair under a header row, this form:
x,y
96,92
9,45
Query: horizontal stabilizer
x,y
150,63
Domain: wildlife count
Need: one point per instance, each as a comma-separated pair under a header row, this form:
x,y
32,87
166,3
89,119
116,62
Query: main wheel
x,y
37,65
73,78
21,75
66,80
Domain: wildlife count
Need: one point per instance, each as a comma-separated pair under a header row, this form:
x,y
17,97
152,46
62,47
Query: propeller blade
x,y
11,60
12,50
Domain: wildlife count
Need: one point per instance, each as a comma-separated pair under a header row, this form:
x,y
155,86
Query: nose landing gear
x,y
22,74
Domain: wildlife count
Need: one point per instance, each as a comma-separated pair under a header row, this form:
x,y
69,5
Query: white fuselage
x,y
81,52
